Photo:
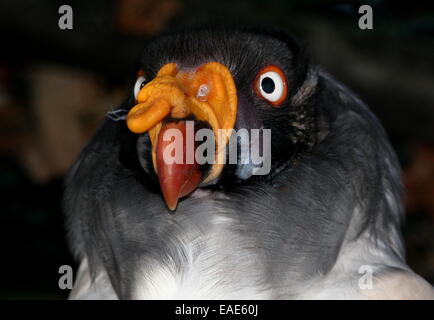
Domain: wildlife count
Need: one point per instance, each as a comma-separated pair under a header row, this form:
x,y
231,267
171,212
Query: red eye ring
x,y
270,85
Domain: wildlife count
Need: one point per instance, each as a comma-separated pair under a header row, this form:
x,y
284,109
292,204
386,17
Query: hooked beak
x,y
207,94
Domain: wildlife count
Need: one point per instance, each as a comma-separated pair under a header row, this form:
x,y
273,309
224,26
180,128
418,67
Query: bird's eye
x,y
270,84
140,83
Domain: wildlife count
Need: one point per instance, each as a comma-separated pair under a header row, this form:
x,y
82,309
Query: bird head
x,y
223,81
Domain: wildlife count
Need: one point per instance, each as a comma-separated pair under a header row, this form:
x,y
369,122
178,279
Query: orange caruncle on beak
x,y
208,94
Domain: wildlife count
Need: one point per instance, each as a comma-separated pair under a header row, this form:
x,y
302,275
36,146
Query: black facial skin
x,y
332,167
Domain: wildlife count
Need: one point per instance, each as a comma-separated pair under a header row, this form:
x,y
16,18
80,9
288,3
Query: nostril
x,y
202,92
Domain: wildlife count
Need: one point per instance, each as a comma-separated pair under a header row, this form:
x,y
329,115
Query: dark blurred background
x,y
56,85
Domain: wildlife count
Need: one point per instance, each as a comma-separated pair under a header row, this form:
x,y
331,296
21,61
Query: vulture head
x,y
305,196
229,85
